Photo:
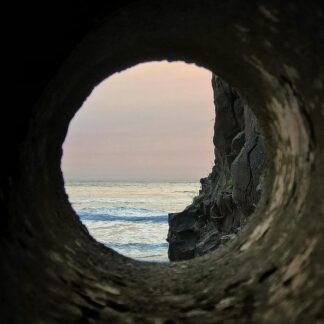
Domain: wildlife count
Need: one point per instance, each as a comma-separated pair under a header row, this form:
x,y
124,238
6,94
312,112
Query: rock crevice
x,y
232,190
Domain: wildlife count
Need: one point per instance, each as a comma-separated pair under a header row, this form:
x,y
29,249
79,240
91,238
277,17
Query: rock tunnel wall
x,y
52,271
232,190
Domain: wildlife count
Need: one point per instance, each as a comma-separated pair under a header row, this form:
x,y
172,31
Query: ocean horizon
x,y
131,217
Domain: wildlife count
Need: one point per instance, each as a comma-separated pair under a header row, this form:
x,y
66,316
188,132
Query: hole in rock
x,y
135,153
55,273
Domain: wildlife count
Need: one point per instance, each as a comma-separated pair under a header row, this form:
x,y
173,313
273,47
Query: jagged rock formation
x,y
231,191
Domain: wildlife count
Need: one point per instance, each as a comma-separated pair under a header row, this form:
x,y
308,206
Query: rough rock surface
x,y
52,271
231,191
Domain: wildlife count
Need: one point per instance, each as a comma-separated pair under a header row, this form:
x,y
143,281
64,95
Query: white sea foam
x,y
131,218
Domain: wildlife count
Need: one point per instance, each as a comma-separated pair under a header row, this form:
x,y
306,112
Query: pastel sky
x,y
152,122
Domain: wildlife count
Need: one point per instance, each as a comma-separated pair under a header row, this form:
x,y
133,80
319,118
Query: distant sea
x,y
131,218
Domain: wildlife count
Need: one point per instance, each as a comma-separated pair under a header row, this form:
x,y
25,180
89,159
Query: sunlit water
x,y
131,218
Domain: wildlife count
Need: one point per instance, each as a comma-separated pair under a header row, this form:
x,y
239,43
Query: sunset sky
x,y
152,122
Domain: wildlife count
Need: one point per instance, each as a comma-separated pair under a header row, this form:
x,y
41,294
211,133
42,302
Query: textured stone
x,y
229,194
52,271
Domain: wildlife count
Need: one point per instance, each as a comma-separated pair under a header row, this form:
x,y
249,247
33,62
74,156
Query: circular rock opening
x,y
270,52
132,218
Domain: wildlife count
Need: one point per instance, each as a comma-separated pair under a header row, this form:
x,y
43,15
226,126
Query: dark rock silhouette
x,y
231,191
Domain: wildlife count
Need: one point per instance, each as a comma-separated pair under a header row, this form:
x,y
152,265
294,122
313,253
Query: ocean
x,y
131,217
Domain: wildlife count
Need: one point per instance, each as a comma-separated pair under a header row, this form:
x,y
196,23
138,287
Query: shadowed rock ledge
x,y
231,191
